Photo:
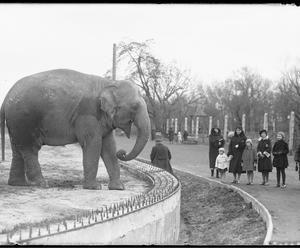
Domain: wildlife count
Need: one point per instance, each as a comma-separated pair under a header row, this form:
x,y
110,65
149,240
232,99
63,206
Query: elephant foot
x,y
92,185
39,183
17,182
116,185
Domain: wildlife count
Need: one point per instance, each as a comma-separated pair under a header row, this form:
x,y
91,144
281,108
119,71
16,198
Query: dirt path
x,y
283,204
213,215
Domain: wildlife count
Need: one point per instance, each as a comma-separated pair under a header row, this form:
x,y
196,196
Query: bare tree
x,y
246,92
160,83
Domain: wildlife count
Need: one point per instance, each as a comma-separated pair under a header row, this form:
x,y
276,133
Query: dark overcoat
x,y
297,154
171,134
216,141
264,163
236,148
160,157
280,151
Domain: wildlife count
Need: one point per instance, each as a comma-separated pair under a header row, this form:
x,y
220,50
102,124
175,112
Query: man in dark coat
x,y
171,135
264,164
216,141
160,155
297,159
185,135
235,151
280,160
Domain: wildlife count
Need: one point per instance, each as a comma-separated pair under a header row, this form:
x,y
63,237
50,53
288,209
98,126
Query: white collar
x,y
266,138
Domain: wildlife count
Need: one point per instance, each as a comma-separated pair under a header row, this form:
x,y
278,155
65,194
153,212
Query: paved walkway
x,y
283,204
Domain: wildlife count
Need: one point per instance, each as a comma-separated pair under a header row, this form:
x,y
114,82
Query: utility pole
x,y
114,65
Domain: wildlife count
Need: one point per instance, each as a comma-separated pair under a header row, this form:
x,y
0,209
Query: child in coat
x,y
249,161
264,162
222,163
280,160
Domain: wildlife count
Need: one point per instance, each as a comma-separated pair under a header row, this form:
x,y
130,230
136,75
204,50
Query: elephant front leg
x,y
91,154
110,160
89,136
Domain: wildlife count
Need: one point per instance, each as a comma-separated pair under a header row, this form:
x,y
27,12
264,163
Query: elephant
x,y
62,106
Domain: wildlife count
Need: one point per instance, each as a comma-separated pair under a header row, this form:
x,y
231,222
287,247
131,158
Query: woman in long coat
x,y
236,148
160,156
216,141
264,156
280,160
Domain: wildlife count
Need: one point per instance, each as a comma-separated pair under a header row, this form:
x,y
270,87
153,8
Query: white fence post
x,y
244,122
186,124
266,121
167,127
291,132
210,124
197,126
225,126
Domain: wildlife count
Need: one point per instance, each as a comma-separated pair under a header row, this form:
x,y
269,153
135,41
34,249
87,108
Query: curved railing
x,y
163,186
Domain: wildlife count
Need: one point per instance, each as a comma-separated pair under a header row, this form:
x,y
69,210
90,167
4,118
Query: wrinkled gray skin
x,y
60,107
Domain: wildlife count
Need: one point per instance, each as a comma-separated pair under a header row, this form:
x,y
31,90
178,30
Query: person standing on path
x,y
236,148
216,141
280,160
185,135
160,155
222,163
249,161
264,156
179,137
171,135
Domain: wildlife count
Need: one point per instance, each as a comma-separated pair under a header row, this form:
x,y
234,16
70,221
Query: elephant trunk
x,y
142,122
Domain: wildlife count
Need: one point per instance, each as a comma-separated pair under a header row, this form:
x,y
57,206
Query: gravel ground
x,y
213,215
65,197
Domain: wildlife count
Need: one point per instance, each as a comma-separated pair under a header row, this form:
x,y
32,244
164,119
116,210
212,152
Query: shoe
x,y
267,184
234,181
278,185
283,186
263,183
248,183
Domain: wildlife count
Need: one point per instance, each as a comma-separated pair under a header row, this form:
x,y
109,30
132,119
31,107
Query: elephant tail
x,y
2,118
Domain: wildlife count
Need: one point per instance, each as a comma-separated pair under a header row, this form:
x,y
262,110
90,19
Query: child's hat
x,y
250,141
281,133
221,149
263,131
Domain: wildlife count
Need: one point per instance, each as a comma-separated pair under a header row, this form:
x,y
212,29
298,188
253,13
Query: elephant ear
x,y
108,102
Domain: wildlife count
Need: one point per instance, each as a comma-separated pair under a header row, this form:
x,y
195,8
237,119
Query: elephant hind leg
x,y
17,170
32,167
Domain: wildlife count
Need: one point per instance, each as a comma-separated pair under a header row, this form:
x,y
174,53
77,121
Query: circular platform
x,y
65,213
62,167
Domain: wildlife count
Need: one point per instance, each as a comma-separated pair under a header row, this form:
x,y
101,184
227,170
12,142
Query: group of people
x,y
243,157
180,137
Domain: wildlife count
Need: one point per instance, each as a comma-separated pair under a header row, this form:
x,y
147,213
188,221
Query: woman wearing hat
x,y
249,160
236,148
216,141
160,155
280,160
264,156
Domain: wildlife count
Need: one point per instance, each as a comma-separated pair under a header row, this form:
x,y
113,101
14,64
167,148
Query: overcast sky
x,y
210,40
